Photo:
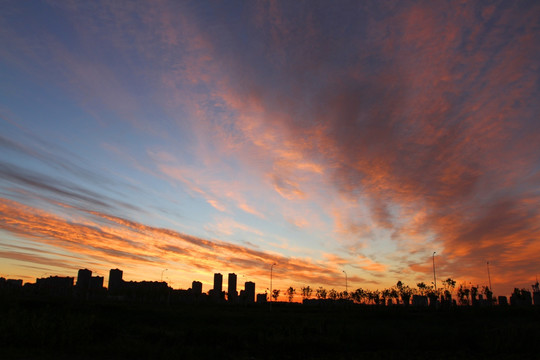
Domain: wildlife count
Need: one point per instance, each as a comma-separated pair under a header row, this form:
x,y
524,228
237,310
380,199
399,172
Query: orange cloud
x,y
433,125
112,241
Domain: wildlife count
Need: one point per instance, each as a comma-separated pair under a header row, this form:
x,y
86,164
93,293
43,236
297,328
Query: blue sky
x,y
207,137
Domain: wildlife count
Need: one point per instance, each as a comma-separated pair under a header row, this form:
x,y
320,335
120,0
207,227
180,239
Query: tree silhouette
x,y
320,293
394,295
375,296
433,294
405,292
369,297
449,286
422,288
275,294
536,287
358,295
385,294
290,293
463,294
474,292
489,294
306,292
521,297
332,294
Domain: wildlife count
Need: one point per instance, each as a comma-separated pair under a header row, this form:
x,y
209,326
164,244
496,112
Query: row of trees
x,y
399,293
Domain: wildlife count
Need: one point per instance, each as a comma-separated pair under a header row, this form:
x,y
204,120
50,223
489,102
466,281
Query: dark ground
x,y
47,329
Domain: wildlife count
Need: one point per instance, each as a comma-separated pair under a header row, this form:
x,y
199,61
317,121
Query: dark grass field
x,y
46,329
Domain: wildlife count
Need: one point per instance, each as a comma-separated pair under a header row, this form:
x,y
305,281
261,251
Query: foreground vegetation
x,y
39,328
402,294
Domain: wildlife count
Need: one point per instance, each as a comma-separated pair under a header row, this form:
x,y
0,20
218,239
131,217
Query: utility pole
x,y
434,277
346,285
489,277
271,269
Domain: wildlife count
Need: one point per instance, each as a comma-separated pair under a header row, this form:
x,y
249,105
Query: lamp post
x,y
271,269
434,277
346,285
489,277
162,274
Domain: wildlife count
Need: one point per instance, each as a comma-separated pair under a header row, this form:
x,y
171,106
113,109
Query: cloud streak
x,y
120,241
429,119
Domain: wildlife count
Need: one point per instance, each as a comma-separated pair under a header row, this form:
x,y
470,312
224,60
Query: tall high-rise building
x,y
232,294
83,279
196,287
218,284
115,280
249,292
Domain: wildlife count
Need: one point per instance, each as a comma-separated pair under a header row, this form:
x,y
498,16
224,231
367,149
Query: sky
x,y
344,141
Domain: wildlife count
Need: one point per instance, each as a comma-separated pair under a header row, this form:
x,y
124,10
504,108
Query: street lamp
x,y
434,277
489,278
162,274
271,269
346,285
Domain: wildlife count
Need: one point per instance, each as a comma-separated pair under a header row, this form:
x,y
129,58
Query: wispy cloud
x,y
389,129
422,122
114,240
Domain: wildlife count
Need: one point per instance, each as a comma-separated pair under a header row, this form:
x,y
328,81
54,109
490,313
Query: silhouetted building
x,y
196,287
82,286
11,286
14,283
217,294
218,283
115,281
146,291
261,298
249,292
83,279
521,298
232,294
96,283
55,286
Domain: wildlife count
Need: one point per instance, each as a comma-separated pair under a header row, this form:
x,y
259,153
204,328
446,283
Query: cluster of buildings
x,y
89,287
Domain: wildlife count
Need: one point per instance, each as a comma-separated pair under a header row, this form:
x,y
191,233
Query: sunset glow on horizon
x,y
204,137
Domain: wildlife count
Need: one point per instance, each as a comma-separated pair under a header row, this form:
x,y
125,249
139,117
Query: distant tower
x,y
82,286
218,284
83,279
249,292
232,294
196,287
115,281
